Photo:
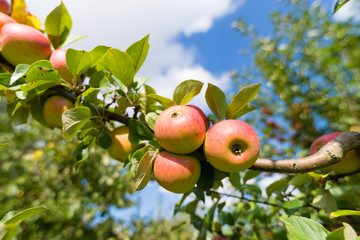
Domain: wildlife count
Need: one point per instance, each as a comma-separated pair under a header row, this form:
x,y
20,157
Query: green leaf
x,y
82,153
216,100
71,39
120,65
210,215
186,90
166,102
302,228
349,232
74,119
241,99
14,217
97,54
281,184
339,4
144,169
344,213
18,114
58,25
78,61
250,174
3,145
139,82
293,205
179,203
138,132
20,71
42,71
250,188
234,179
138,52
300,179
337,234
150,119
207,176
324,200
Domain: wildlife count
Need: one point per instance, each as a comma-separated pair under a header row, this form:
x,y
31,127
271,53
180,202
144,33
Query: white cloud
x,y
119,23
350,10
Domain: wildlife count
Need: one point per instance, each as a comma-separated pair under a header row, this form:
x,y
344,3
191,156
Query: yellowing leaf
x,y
21,14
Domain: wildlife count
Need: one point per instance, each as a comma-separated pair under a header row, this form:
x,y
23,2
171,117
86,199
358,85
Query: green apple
x,y
180,129
231,146
176,173
121,146
58,61
21,43
53,109
350,162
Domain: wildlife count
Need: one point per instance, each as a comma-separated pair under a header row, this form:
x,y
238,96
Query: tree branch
x,y
329,154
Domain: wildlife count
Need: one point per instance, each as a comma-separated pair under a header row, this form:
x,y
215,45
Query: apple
x,y
58,61
204,117
180,129
5,7
176,173
350,162
4,19
231,146
121,146
21,43
53,109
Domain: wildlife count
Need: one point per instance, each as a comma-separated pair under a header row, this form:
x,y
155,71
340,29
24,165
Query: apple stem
x,y
175,115
237,150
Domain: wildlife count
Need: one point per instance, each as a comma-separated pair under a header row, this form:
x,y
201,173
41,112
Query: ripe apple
x,y
58,61
5,6
204,117
350,162
180,129
121,146
175,172
231,146
4,19
53,109
21,43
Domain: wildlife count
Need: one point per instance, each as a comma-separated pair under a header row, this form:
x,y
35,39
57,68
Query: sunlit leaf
x,y
144,169
186,90
339,4
216,100
138,52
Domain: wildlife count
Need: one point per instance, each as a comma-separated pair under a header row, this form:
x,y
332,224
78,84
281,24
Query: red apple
x,y
175,172
4,19
204,117
231,146
350,162
21,43
180,129
58,61
5,7
53,109
121,146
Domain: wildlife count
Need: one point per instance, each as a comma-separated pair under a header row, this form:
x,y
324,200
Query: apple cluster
x,y
183,131
24,44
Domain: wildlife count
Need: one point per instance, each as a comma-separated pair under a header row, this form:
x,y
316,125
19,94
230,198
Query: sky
x,y
188,40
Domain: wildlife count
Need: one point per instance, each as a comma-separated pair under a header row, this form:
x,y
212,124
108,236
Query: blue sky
x,y
189,40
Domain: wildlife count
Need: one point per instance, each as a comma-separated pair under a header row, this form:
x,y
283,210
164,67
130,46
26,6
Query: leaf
x,y
78,61
42,71
210,215
138,132
302,228
3,145
138,52
20,71
325,200
337,234
186,90
339,4
22,15
179,203
216,100
234,179
344,213
281,184
139,82
120,65
250,174
166,102
71,39
250,188
300,179
207,176
74,119
241,99
13,217
58,25
144,169
349,232
150,119
293,206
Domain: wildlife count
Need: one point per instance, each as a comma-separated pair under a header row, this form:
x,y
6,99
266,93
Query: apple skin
x,y
204,117
180,129
21,43
53,109
121,146
5,7
176,173
58,61
224,139
4,19
350,162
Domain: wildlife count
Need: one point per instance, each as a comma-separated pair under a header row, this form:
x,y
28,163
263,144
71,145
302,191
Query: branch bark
x,y
331,153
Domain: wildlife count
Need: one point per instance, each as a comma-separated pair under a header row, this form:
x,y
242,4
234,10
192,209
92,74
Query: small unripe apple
x,y
58,61
350,162
5,6
231,146
21,43
4,19
176,173
53,109
121,146
180,129
204,117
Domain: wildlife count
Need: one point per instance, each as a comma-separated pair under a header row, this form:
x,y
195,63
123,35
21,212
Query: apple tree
x,y
216,161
